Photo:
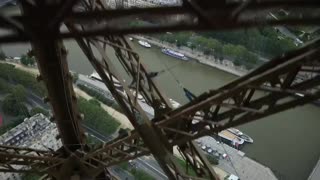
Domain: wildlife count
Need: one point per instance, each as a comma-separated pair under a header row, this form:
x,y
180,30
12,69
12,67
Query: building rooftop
x,y
35,132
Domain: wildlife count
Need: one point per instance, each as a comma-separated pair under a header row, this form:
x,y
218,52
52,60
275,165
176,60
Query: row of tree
x,y
99,96
10,74
239,54
27,60
266,41
14,103
96,117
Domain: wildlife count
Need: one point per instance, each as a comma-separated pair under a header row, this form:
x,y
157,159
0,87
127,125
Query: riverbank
x,y
224,65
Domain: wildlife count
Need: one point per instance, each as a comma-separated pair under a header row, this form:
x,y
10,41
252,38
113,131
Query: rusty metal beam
x,y
13,159
106,71
51,59
178,126
13,38
275,68
221,15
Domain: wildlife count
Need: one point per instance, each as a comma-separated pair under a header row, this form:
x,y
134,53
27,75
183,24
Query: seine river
x,y
287,142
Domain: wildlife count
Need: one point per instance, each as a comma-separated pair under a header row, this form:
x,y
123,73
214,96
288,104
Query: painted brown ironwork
x,y
285,82
21,159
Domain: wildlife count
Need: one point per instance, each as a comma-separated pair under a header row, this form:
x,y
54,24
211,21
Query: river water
x,y
287,142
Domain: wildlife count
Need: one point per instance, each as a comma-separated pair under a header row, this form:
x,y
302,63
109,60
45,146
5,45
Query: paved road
x,y
150,165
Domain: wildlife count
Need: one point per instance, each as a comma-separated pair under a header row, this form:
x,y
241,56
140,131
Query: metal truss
x,y
118,151
201,15
21,159
242,101
265,91
270,89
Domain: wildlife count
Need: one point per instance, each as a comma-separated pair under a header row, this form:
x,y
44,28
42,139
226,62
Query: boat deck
x,y
227,135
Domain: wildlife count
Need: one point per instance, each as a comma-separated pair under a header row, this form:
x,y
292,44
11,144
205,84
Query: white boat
x,y
96,76
144,44
230,138
175,54
174,103
130,38
240,134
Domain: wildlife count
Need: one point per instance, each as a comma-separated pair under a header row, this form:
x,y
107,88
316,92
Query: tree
x,y
229,50
13,103
263,40
75,77
97,118
11,106
19,93
5,87
37,110
237,62
213,160
26,60
9,73
2,55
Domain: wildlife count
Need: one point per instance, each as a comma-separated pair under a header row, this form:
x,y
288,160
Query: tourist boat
x,y
230,138
240,134
144,44
96,76
174,54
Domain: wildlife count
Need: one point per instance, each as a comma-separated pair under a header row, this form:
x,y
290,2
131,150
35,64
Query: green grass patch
x,y
137,173
97,118
100,97
183,164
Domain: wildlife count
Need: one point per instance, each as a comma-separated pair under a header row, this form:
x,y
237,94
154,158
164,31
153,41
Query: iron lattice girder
x,y
107,71
213,16
176,126
285,69
118,151
18,159
141,82
132,67
245,106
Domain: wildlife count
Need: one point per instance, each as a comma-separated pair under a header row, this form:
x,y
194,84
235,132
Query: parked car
x,y
231,177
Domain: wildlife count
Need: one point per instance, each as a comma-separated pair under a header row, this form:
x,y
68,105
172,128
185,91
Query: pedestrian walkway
x,y
236,162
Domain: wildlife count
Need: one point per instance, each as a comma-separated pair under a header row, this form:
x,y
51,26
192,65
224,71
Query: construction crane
x,y
95,26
